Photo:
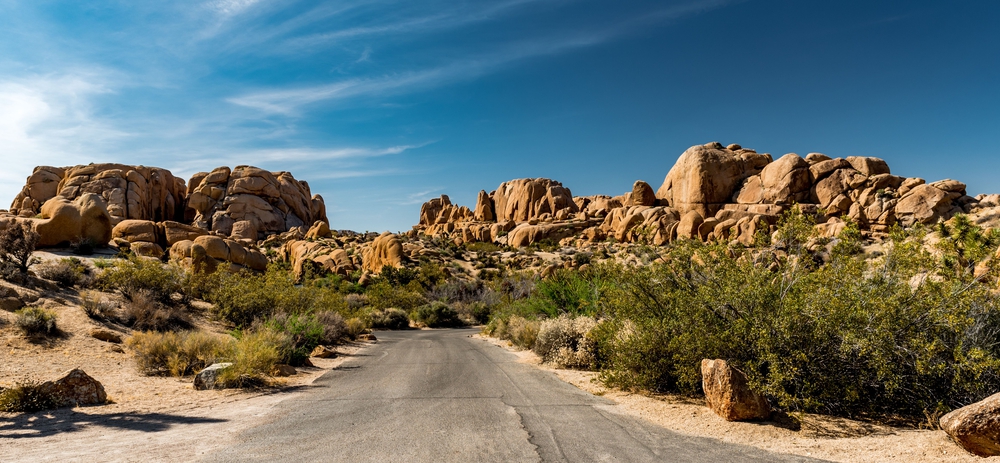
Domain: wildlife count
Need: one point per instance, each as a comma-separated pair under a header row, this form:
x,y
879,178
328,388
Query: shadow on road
x,y
43,424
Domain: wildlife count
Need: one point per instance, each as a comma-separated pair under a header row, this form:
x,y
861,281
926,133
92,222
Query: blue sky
x,y
382,105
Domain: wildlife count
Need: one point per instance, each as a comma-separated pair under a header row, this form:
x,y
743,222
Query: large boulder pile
x,y
207,253
712,192
251,203
131,192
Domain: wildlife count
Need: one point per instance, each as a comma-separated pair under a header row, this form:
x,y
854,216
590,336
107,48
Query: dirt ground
x,y
828,438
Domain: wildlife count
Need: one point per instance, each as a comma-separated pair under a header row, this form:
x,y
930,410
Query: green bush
x,y
26,397
68,272
383,295
254,356
135,275
17,243
176,354
520,331
35,321
437,315
482,247
334,327
387,319
566,342
305,332
145,312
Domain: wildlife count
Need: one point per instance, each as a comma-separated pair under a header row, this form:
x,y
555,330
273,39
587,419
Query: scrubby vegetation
x,y
68,272
818,325
176,353
26,397
17,242
36,321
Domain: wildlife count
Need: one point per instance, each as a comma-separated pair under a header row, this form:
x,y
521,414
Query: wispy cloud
x,y
289,101
232,7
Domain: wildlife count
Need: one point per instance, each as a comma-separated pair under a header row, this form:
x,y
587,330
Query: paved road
x,y
441,396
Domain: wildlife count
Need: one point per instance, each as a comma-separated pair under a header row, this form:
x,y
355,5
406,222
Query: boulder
x,y
705,177
385,250
485,209
323,352
64,221
530,198
786,180
868,166
922,204
319,229
976,427
209,377
75,388
282,370
728,393
642,194
106,336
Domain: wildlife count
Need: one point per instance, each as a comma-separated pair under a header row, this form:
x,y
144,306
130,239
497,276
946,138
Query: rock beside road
x,y
209,377
728,393
976,427
75,388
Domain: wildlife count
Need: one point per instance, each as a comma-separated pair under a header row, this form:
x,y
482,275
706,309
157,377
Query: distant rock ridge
x,y
712,192
150,211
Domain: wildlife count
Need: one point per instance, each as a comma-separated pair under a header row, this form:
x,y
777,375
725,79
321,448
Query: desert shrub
x,y
244,298
396,276
437,314
355,302
387,319
84,247
355,327
36,321
68,272
26,397
17,242
97,306
254,356
145,312
482,247
304,333
851,337
520,331
176,354
334,327
566,341
383,295
136,275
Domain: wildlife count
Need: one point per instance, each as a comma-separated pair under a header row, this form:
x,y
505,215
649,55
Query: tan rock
x,y
786,180
75,388
868,166
106,335
485,209
63,221
976,427
642,194
706,176
728,393
922,204
524,199
319,230
386,250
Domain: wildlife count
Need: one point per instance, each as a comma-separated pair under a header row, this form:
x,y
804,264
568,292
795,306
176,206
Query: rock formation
x,y
131,192
712,192
251,203
386,250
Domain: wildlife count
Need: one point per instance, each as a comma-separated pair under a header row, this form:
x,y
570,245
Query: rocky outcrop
x,y
63,221
75,388
532,198
150,239
206,253
705,177
386,250
728,393
130,192
976,427
322,256
712,192
251,203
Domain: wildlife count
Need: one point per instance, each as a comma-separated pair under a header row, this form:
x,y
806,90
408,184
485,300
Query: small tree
x,y
17,242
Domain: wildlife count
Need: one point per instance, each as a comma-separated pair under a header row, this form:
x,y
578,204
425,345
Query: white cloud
x,y
232,7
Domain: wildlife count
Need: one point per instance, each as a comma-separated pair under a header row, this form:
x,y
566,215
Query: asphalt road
x,y
441,396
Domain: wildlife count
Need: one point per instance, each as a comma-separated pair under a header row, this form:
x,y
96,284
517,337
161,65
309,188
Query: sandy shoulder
x,y
834,439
